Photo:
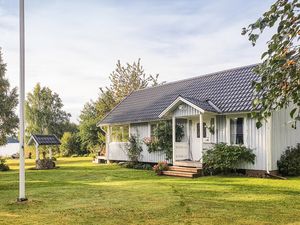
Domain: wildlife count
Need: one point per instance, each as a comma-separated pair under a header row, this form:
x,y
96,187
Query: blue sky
x,y
72,46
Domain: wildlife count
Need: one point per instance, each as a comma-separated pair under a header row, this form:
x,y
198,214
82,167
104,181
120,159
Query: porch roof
x,y
228,90
200,105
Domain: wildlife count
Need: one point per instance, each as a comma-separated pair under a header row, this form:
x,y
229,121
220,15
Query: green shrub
x,y
134,148
71,144
135,165
289,163
223,158
3,165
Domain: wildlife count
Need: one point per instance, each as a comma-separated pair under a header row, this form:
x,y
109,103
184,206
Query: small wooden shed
x,y
40,139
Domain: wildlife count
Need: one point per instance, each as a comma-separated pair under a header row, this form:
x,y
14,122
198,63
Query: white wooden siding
x,y
186,110
117,151
282,134
257,140
142,130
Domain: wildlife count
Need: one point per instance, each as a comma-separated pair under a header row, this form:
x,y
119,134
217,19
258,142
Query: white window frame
x,y
121,127
245,128
210,138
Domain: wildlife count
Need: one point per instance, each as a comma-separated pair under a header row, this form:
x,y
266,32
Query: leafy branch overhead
x,y
279,83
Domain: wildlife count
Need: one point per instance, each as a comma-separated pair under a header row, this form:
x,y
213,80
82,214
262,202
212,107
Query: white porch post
x,y
107,143
201,134
37,153
173,137
50,153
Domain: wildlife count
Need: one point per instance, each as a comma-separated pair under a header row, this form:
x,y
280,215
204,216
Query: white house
x,y
222,100
12,147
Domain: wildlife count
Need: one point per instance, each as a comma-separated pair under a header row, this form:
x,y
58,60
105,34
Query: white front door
x,y
196,153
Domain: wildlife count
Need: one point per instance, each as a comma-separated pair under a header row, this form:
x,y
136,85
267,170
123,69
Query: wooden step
x,y
185,169
179,174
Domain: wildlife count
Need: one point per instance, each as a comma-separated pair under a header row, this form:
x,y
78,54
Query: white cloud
x,y
72,46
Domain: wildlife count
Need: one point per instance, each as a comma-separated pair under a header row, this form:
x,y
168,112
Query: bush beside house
x,y
223,158
289,163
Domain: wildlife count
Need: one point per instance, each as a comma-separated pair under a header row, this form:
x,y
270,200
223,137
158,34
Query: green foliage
x,y
225,158
44,113
134,149
71,144
3,165
160,167
91,136
279,83
137,165
162,140
124,80
8,103
128,78
289,163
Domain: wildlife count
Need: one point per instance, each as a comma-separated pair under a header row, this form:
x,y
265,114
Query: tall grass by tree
x,y
8,104
279,83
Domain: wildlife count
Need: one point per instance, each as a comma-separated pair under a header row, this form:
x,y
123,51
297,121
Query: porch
x,y
193,130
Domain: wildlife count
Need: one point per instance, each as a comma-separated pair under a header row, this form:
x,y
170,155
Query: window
x,y
237,131
152,129
204,130
120,133
181,130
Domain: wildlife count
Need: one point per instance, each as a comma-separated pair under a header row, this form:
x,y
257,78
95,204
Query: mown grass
x,y
80,192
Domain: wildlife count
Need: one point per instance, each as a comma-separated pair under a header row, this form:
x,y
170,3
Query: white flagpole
x,y
22,196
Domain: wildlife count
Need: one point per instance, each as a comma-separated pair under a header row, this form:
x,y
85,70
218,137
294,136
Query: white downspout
x,y
269,145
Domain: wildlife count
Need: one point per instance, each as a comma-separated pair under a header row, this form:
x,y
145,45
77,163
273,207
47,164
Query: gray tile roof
x,y
229,90
44,139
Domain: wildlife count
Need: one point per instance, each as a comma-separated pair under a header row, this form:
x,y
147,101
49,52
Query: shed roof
x,y
229,90
41,139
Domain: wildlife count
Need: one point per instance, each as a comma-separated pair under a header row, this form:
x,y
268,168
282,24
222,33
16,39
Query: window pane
x,y
232,131
237,131
181,130
240,131
120,133
204,130
198,130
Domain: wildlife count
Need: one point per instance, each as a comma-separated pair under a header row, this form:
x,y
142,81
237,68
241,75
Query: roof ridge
x,y
199,76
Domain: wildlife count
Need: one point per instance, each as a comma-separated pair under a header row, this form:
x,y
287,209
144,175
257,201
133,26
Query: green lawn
x,y
80,192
